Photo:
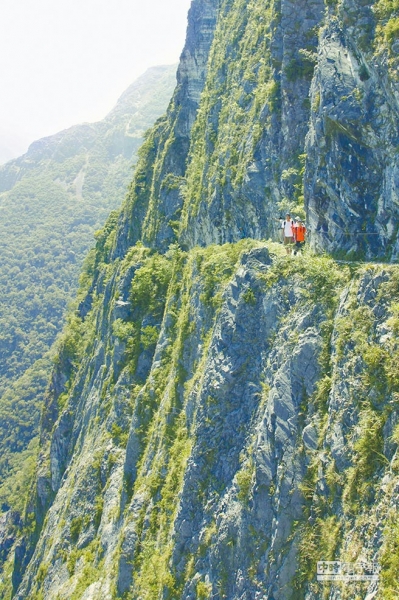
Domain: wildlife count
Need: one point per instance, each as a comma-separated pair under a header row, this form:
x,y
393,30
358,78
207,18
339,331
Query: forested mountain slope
x,y
221,416
52,201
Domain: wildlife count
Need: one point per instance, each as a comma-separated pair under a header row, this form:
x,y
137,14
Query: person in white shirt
x,y
288,233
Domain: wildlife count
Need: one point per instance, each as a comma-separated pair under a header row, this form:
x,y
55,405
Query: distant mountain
x,y
11,146
117,136
52,200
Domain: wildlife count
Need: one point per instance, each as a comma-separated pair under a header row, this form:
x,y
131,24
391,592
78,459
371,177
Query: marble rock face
x,y
246,435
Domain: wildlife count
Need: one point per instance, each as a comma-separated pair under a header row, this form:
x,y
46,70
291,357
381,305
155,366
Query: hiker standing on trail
x,y
288,233
299,235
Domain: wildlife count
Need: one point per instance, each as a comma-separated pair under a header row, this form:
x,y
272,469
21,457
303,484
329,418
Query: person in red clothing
x,y
299,235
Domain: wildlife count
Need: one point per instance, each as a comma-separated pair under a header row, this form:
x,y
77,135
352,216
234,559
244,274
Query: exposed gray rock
x,y
310,436
9,523
352,175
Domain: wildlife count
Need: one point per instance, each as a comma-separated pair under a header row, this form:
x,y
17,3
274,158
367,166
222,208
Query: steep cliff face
x,y
235,422
222,416
153,208
227,173
261,144
352,173
248,140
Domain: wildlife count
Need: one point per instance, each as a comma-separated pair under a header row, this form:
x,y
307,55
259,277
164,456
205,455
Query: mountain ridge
x,y
131,98
223,416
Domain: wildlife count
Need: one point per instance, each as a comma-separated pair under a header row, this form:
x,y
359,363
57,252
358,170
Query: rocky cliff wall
x,y
246,156
351,175
298,112
222,415
234,424
153,207
226,170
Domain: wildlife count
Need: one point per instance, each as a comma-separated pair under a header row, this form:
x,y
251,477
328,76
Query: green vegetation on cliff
x,y
228,125
222,416
154,410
